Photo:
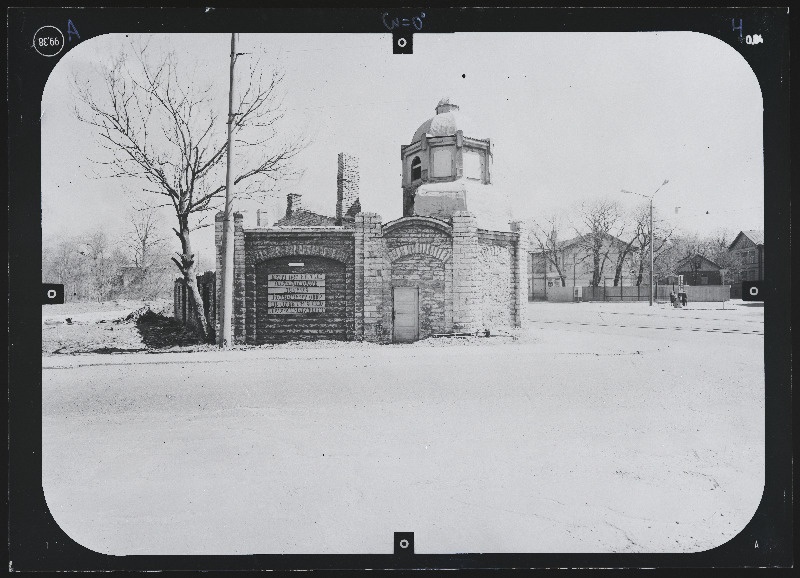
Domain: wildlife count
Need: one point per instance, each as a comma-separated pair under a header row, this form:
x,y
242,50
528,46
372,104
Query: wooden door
x,y
405,314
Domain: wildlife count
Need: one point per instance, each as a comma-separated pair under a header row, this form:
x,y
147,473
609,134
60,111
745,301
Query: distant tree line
x,y
95,267
613,240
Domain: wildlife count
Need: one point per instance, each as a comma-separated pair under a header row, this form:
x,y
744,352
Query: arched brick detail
x,y
418,220
299,250
439,253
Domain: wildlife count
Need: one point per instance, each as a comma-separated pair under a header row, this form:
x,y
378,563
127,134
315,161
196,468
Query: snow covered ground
x,y
607,427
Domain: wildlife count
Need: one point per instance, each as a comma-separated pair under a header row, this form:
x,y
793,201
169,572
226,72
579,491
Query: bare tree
x,y
625,248
164,130
545,234
104,262
144,236
662,237
685,250
145,241
597,219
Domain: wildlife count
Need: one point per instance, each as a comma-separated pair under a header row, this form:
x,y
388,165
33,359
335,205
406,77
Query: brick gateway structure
x,y
438,269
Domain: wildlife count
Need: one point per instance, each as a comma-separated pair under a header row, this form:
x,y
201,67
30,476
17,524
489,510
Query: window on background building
x,y
416,169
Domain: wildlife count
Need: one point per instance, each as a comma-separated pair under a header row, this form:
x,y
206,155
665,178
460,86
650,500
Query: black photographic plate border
x,y
36,542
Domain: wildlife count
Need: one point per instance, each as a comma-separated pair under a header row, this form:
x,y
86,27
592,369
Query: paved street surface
x,y
607,427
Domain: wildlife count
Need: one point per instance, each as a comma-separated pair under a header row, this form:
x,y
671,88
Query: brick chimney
x,y
347,201
294,202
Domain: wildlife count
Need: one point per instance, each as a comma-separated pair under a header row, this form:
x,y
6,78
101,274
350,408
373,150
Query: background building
x,y
571,263
747,251
699,270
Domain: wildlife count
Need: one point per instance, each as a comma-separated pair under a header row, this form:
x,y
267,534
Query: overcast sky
x,y
572,116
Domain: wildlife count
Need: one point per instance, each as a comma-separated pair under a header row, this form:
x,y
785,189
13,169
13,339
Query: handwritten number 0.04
x,y
749,39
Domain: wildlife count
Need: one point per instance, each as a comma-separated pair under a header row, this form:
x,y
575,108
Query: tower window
x,y
442,162
416,169
472,165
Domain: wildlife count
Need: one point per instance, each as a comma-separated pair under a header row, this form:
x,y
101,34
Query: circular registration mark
x,y
48,41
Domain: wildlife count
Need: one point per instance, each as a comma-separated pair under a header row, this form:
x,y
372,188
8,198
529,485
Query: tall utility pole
x,y
650,198
225,338
651,250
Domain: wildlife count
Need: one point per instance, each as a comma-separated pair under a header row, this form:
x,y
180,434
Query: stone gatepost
x,y
466,302
520,265
368,277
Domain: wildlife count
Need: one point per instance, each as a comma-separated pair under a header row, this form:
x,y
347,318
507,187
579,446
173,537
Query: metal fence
x,y
539,291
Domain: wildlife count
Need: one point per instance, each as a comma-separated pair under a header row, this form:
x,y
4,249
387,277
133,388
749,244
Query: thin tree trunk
x,y
187,267
640,275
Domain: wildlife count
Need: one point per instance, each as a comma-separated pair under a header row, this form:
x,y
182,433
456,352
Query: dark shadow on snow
x,y
161,332
113,350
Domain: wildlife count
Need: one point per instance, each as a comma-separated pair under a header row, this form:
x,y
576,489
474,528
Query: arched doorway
x,y
418,282
300,298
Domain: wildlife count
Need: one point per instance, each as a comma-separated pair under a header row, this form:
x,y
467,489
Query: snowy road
x,y
612,427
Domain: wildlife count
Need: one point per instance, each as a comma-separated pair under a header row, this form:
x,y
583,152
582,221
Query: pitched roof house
x,y
699,270
747,250
576,263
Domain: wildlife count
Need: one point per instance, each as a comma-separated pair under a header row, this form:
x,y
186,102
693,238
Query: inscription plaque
x,y
295,293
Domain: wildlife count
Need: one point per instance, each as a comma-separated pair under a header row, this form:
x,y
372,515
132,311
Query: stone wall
x,y
467,301
520,285
496,279
418,252
370,269
427,273
333,323
329,251
468,279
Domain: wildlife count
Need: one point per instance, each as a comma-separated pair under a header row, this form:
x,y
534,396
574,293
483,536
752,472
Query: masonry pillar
x,y
218,226
239,309
520,275
368,277
466,302
239,305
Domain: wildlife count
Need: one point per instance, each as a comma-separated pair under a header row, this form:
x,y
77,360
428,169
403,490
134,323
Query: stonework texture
x,y
347,180
469,279
428,274
496,279
333,323
303,218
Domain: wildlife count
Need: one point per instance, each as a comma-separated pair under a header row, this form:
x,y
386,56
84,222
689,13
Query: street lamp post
x,y
650,198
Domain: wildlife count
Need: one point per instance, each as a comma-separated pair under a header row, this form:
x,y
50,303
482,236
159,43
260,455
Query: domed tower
x,y
448,168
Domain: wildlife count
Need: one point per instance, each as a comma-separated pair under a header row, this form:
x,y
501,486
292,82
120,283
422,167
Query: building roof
x,y
679,266
567,243
756,236
447,121
301,217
